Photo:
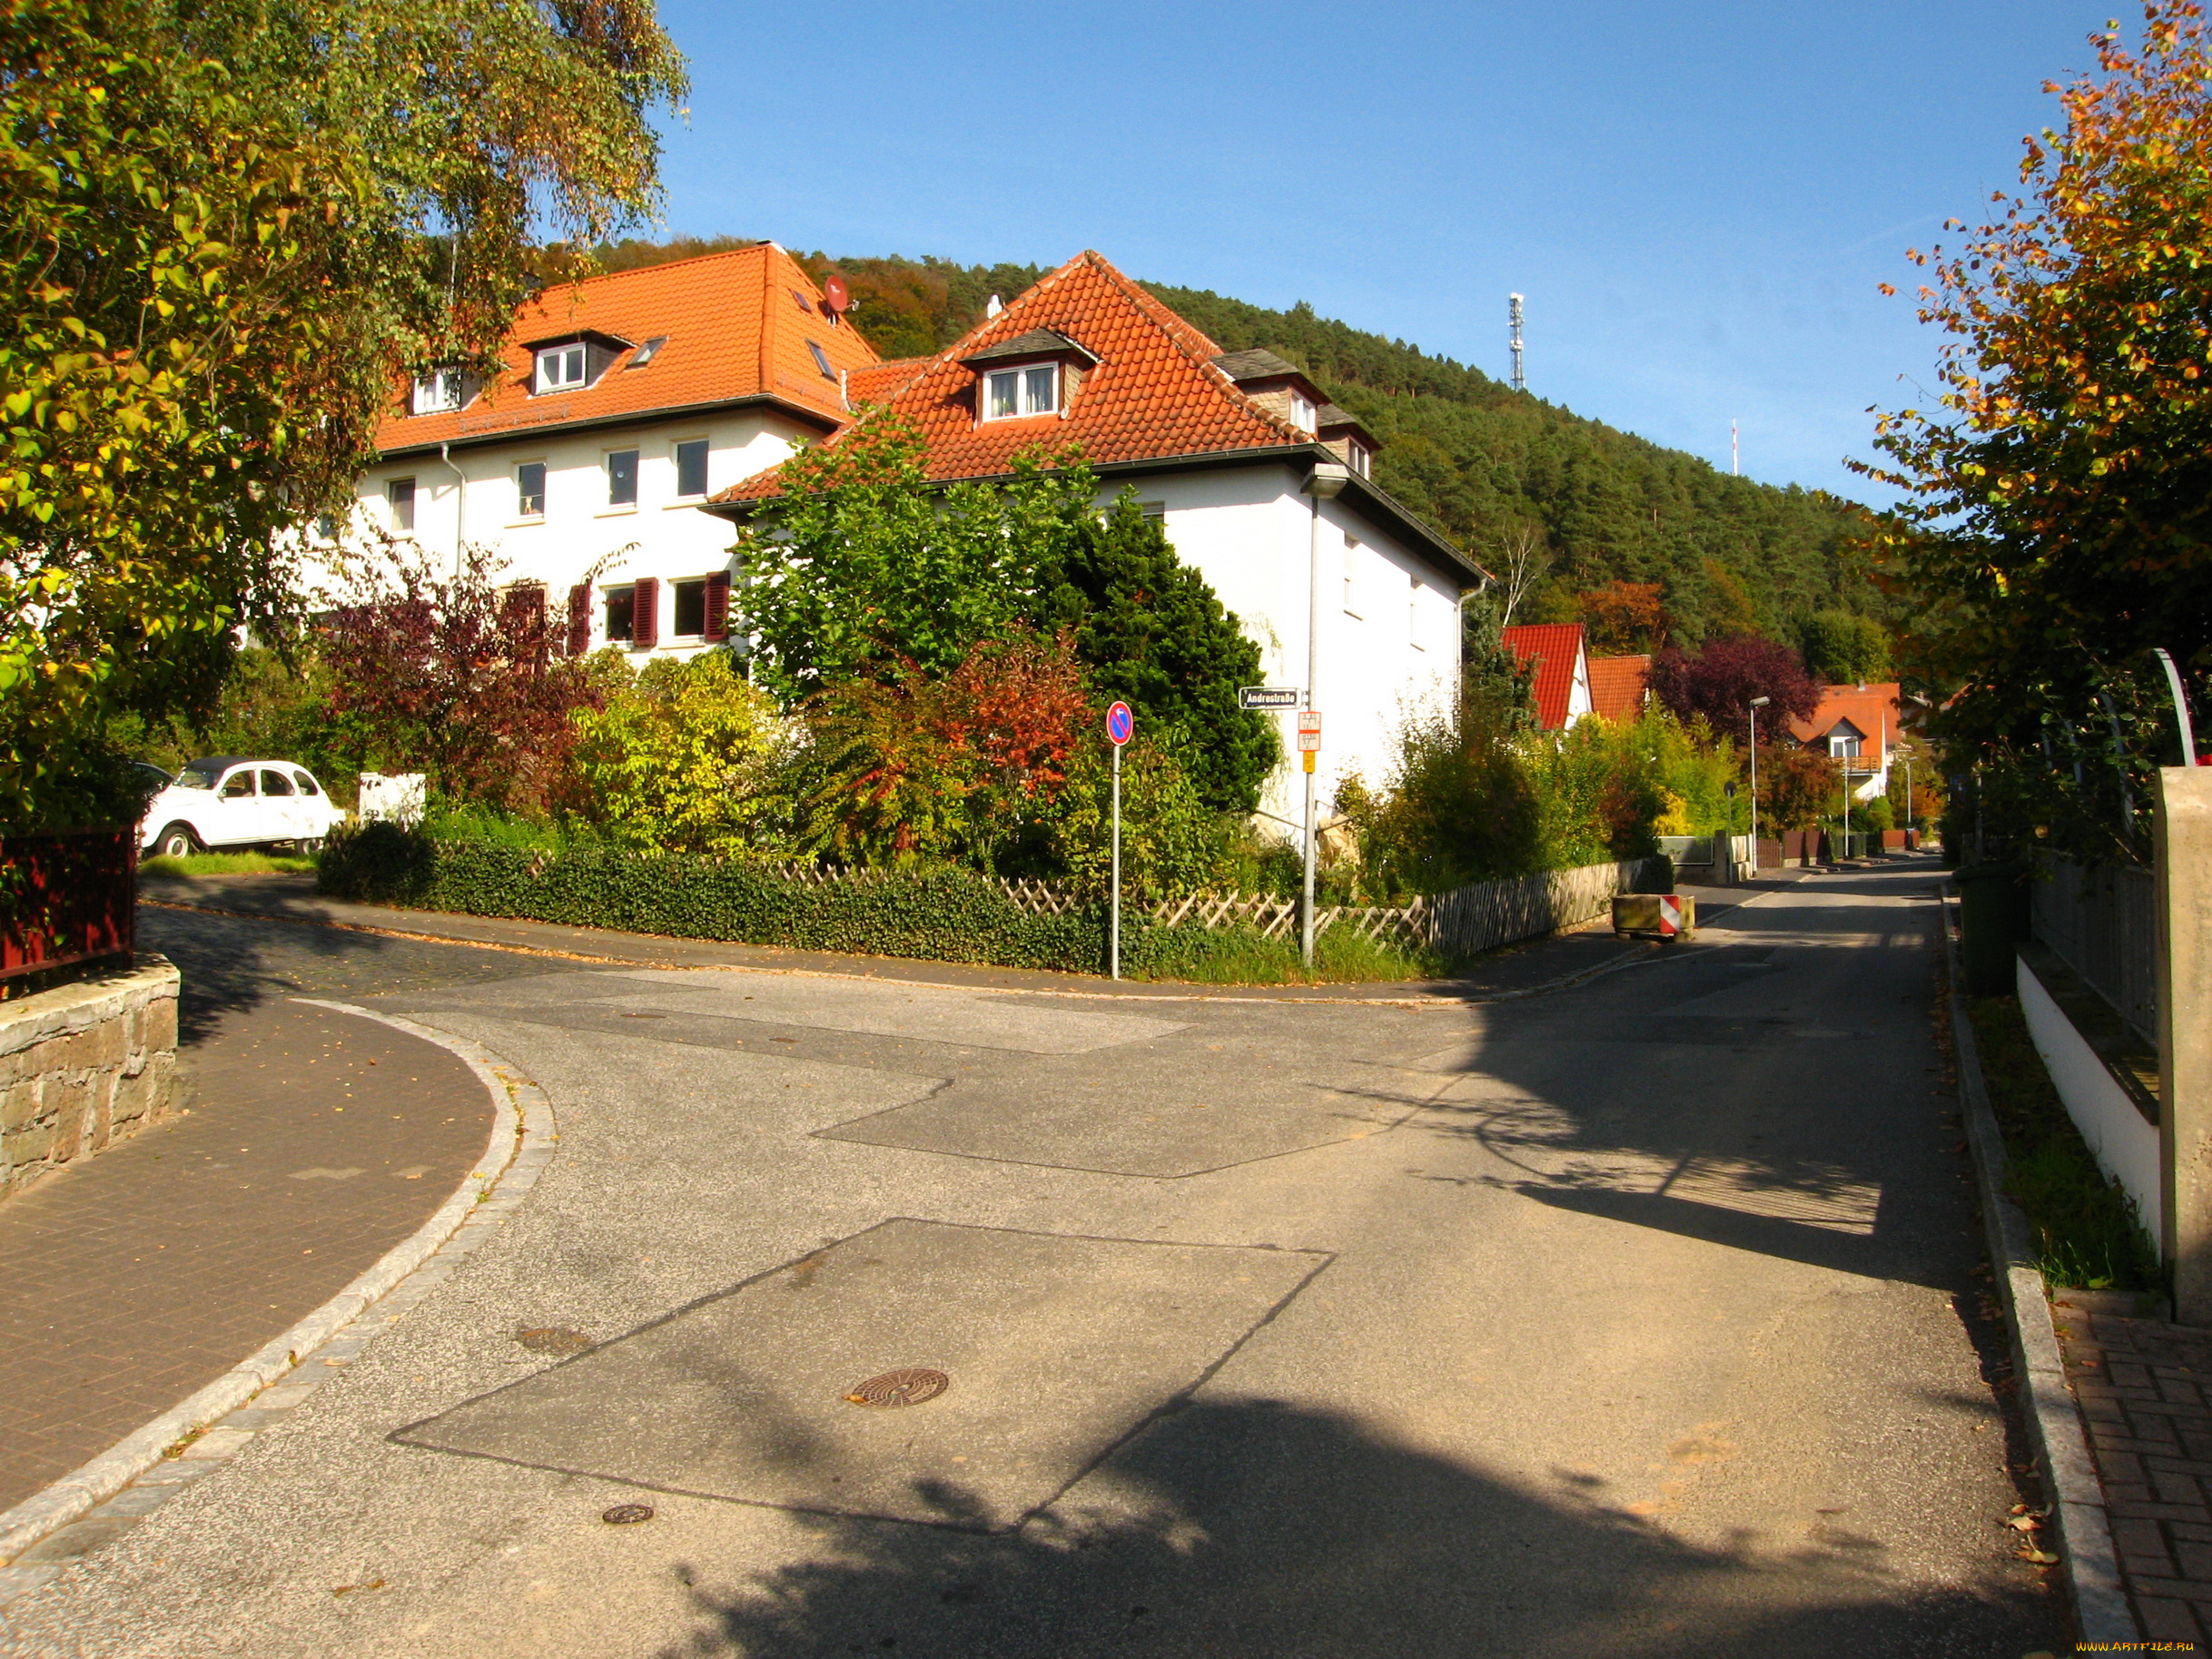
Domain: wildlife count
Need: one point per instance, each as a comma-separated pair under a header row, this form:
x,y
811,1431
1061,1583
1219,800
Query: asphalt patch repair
x,y
1055,1348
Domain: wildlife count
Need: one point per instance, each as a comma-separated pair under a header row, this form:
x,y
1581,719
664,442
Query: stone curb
x,y
2054,1420
521,1145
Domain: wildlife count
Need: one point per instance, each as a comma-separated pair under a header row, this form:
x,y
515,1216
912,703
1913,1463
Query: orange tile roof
x,y
738,326
1552,647
1154,393
1617,685
879,381
1874,709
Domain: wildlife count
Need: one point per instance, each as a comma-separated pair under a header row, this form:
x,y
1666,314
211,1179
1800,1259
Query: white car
x,y
235,801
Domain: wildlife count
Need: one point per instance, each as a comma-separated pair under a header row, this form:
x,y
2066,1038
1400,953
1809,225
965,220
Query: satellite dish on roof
x,y
835,295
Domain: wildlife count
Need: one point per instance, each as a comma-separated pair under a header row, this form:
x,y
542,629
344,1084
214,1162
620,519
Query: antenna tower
x,y
1513,318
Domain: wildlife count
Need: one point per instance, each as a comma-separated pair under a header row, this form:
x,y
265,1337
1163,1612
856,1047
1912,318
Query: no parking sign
x,y
1119,724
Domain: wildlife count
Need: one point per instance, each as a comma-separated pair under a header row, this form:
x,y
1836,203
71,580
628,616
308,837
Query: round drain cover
x,y
628,1515
553,1340
909,1386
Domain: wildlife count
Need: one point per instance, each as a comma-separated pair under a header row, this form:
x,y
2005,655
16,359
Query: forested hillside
x,y
1479,461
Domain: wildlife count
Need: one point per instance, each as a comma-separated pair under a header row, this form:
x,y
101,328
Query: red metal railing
x,y
66,902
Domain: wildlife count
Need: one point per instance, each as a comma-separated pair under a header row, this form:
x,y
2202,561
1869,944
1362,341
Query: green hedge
x,y
939,914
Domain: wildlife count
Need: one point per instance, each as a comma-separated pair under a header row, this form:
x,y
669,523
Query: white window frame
x,y
606,469
438,392
392,499
1024,410
522,514
1363,459
551,360
1303,414
676,467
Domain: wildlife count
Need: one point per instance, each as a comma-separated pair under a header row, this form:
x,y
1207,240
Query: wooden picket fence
x,y
1462,923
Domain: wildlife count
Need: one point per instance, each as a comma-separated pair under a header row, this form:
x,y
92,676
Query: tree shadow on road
x,y
1251,1530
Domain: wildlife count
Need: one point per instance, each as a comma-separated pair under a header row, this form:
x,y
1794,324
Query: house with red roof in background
x,y
1220,447
1620,687
1858,727
1562,663
623,403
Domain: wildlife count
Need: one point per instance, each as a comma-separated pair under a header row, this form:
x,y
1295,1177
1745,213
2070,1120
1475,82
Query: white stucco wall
x,y
1389,620
662,535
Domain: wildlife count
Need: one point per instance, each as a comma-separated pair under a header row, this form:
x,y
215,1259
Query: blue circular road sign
x,y
1120,723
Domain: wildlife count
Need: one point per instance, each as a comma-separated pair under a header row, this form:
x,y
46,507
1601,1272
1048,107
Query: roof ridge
x,y
1198,347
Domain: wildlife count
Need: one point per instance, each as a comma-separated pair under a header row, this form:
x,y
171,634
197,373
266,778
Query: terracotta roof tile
x,y
1874,709
1154,392
1618,685
738,326
1553,648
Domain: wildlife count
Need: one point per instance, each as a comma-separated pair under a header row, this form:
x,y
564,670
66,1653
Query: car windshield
x,y
196,778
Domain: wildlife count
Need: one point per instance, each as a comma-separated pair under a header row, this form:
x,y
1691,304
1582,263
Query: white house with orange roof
x,y
1560,658
1223,447
624,402
1858,727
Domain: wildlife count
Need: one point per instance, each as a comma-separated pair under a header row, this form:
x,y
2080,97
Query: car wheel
x,y
307,847
177,841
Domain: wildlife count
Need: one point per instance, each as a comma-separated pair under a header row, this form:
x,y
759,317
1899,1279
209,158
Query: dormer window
x,y
1361,457
1031,390
1301,411
439,392
561,368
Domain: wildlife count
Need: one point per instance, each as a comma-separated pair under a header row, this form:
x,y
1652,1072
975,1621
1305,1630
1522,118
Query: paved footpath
x,y
1637,1320
314,1142
2146,1391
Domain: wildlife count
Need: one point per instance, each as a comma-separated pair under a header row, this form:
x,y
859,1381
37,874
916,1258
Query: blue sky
x,y
1698,200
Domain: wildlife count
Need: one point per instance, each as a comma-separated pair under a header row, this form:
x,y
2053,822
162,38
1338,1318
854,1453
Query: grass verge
x,y
228,864
2086,1229
1243,956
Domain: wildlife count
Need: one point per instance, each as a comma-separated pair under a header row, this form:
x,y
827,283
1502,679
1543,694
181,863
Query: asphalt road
x,y
1639,1320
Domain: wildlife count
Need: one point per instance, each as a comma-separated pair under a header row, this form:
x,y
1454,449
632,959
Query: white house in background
x,y
1220,446
625,402
1560,658
1857,726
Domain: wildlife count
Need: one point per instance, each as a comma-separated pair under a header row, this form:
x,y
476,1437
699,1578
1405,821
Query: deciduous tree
x,y
2058,520
1718,681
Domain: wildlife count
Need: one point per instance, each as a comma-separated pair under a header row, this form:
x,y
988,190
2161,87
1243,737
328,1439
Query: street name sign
x,y
1267,697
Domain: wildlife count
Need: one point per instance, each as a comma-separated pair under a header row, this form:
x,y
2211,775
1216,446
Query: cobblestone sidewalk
x,y
2143,1387
316,1142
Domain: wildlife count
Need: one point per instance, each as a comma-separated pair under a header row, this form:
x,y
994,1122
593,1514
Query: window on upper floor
x,y
1843,747
561,368
1362,460
691,608
1301,411
530,490
690,470
647,352
439,392
622,477
1009,393
401,493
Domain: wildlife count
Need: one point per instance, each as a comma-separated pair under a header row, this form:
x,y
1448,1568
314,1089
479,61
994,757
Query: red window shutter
x,y
645,619
717,605
579,619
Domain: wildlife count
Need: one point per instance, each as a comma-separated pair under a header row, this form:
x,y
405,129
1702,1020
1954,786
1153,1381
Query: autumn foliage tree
x,y
1717,683
2058,516
229,228
1624,616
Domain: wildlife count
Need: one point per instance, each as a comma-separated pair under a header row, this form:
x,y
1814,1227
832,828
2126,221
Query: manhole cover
x,y
553,1340
909,1386
628,1515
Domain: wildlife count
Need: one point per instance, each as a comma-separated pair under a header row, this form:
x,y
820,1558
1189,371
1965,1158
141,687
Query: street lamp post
x,y
1755,706
1327,480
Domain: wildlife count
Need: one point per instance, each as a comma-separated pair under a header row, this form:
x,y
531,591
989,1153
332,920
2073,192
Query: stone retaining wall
x,y
82,1066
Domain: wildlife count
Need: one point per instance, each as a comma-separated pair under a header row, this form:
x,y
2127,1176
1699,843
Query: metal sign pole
x,y
1114,948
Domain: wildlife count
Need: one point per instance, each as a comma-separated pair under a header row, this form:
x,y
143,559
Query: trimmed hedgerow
x,y
942,914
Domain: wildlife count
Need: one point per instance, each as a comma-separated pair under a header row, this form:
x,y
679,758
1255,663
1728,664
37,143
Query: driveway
x,y
1641,1319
